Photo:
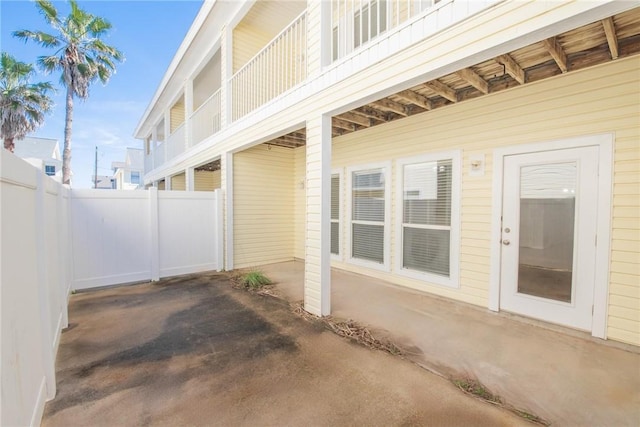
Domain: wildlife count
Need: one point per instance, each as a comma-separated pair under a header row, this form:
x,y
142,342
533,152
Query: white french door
x,y
548,235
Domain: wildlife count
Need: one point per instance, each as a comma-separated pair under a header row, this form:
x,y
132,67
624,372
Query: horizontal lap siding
x,y
299,201
263,206
603,99
178,182
206,180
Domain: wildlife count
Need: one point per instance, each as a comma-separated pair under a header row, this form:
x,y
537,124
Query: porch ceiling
x,y
596,43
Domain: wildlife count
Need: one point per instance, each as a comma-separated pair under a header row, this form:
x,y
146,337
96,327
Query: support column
x,y
189,179
226,72
226,184
188,111
167,132
317,271
167,183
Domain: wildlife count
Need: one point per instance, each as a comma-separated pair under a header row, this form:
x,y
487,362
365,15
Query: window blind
x,y
368,215
335,214
426,223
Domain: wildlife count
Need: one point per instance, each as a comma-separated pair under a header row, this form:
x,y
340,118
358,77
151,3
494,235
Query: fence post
x,y
63,257
48,359
154,247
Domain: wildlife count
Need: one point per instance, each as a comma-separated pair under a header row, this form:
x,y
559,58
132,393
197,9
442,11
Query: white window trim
x,y
386,167
453,281
340,255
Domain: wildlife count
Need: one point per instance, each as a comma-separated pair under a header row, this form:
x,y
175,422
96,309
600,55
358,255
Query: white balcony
x,y
276,68
158,155
176,142
205,120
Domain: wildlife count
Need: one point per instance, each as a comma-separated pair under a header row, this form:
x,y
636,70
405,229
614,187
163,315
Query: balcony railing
x,y
148,162
278,67
176,142
158,155
355,23
205,121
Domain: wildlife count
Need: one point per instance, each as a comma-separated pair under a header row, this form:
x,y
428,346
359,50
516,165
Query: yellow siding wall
x,y
299,200
206,180
178,182
604,99
177,115
161,185
263,202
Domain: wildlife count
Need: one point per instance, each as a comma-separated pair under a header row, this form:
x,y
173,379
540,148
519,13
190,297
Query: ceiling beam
x,y
372,113
512,67
390,105
557,53
343,124
474,79
354,118
442,89
612,39
416,99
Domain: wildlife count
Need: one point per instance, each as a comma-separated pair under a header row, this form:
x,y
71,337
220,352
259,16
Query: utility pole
x,y
95,170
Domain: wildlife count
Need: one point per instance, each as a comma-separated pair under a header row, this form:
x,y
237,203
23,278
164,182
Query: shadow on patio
x,y
561,375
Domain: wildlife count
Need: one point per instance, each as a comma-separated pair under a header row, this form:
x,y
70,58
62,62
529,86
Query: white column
x,y
154,147
226,72
317,271
188,111
226,184
153,234
189,179
167,183
167,132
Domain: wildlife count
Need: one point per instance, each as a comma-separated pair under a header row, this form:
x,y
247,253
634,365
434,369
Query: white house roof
x,y
37,148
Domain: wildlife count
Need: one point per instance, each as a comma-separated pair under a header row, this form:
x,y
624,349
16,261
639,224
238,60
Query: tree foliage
x,y
81,57
23,104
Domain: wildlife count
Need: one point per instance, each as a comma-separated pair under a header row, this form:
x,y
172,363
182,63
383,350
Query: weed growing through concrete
x,y
475,388
252,280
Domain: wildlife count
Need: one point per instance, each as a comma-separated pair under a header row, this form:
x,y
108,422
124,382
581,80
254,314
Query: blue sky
x,y
147,32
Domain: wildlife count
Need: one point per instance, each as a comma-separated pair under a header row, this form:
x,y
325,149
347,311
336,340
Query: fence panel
x,y
187,232
129,236
34,292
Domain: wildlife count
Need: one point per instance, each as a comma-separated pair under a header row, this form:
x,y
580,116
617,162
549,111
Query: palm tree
x,y
22,104
81,57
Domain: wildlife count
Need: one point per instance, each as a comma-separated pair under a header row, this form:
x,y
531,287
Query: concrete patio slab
x,y
563,376
195,351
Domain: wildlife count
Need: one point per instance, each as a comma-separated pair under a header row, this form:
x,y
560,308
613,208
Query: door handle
x,y
506,242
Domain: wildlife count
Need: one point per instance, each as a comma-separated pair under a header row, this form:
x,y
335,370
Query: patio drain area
x,y
195,351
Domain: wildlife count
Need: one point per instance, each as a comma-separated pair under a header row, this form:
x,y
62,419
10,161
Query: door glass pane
x,y
547,218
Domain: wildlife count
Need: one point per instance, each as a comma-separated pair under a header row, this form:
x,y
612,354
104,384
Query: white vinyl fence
x,y
129,236
54,240
34,286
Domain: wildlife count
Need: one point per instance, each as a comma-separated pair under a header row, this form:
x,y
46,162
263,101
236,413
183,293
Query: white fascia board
x,y
207,6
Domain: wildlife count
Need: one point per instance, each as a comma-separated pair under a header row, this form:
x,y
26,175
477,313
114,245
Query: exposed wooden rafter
x,y
474,79
557,53
512,67
372,113
355,118
612,39
390,105
343,124
415,98
442,89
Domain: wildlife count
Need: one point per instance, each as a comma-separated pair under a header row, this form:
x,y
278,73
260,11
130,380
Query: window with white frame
x,y
368,215
50,170
335,214
428,210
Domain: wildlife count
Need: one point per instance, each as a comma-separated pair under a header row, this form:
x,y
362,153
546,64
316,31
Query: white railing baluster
x,y
271,72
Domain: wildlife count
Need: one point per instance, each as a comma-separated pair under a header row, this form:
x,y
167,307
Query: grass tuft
x,y
477,389
254,280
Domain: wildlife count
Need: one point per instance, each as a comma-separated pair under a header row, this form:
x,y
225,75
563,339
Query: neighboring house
x,y
127,175
482,151
43,153
104,182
